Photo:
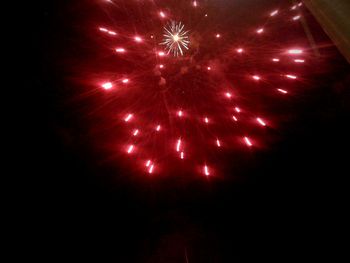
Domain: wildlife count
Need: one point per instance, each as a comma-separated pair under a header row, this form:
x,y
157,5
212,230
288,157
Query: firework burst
x,y
175,38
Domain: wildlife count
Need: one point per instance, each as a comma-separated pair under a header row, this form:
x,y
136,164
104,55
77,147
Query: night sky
x,y
283,204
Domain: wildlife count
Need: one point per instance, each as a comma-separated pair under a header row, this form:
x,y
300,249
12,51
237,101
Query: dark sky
x,y
286,210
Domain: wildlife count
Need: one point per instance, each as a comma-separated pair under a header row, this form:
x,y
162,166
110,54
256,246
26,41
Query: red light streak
x,y
282,91
107,85
295,51
120,50
260,31
138,39
178,145
248,142
299,60
261,121
136,132
182,155
218,143
151,169
206,170
128,117
130,149
274,13
234,118
158,128
291,76
256,77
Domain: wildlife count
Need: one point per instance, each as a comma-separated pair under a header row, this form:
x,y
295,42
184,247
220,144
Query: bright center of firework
x,y
175,38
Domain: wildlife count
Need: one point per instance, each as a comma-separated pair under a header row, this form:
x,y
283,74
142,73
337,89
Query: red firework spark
x,y
171,115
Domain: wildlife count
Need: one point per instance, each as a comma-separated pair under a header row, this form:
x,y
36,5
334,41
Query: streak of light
x,y
295,51
248,142
282,91
107,85
151,169
178,145
120,50
274,13
291,76
128,117
206,170
261,121
130,149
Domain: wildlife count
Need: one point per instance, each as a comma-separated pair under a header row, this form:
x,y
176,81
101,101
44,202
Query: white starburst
x,y
175,38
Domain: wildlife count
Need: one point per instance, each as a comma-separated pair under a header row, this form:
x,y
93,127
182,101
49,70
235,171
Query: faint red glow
x,y
274,13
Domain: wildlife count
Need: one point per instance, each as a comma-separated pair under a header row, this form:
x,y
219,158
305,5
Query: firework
x,y
175,38
172,117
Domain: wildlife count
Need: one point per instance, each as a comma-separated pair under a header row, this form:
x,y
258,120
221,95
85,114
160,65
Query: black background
x,y
291,208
